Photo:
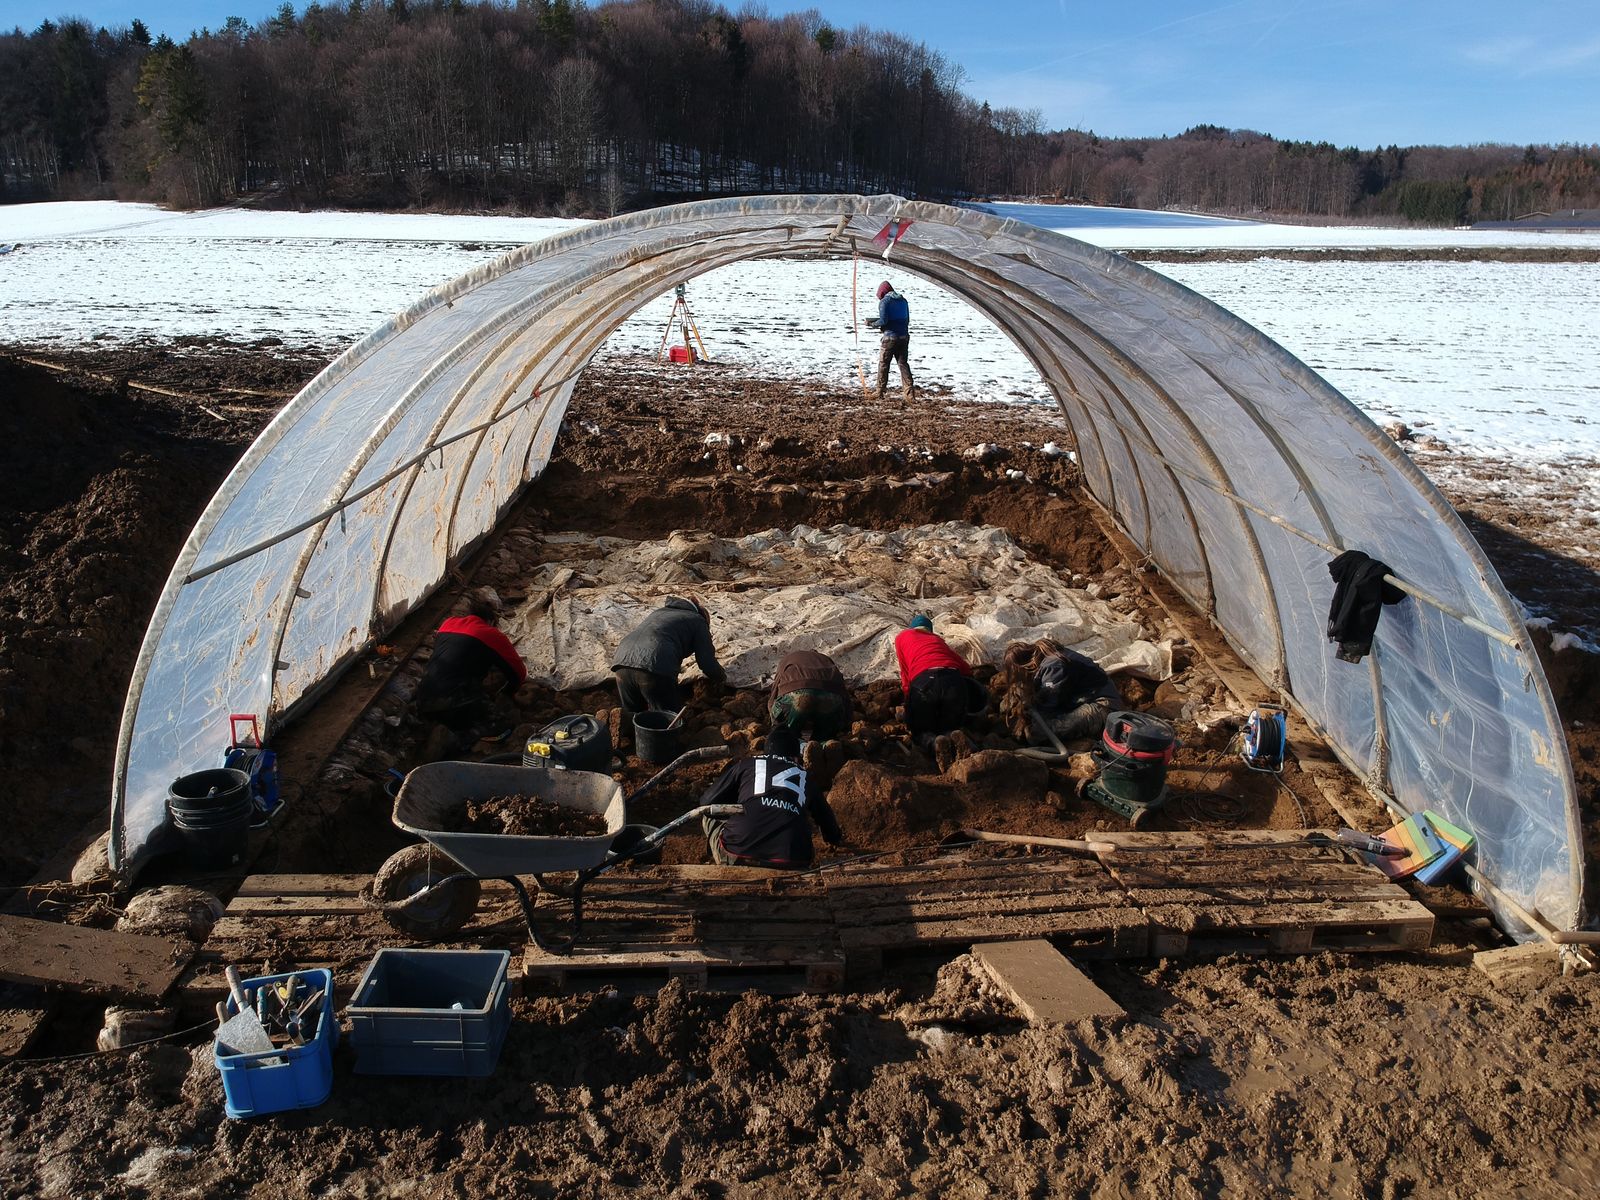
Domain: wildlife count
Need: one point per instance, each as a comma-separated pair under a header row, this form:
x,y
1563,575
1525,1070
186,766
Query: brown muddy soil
x,y
527,816
1334,1074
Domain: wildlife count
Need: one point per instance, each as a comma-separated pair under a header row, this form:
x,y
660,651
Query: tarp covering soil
x,y
842,590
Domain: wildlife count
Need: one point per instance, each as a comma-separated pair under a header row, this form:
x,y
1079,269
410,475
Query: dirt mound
x,y
99,493
879,808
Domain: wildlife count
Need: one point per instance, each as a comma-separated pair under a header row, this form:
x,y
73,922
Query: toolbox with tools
x,y
298,1073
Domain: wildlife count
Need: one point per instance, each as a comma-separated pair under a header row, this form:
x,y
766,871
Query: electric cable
x,y
60,1058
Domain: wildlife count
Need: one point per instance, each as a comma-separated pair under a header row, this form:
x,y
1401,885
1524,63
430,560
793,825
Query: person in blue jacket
x,y
893,324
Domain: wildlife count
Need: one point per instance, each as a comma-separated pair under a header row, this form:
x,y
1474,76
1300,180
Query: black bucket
x,y
212,811
655,735
630,836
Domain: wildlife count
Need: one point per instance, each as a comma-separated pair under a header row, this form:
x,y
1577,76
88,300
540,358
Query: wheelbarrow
x,y
419,894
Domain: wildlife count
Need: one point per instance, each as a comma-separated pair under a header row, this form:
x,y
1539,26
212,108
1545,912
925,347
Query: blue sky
x,y
1353,72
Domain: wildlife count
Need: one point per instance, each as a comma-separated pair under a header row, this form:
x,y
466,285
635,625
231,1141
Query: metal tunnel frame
x,y
1230,464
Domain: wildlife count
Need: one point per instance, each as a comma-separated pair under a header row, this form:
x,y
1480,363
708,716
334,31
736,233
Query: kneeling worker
x,y
808,692
779,803
468,653
937,681
648,659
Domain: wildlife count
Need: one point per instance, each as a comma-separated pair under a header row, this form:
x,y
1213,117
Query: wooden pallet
x,y
715,928
1251,892
730,928
287,922
944,903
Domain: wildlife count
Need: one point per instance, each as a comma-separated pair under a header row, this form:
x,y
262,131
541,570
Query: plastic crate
x,y
403,1020
292,1077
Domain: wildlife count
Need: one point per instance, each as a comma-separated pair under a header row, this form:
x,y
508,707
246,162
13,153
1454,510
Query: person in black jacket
x,y
1068,691
472,662
648,659
779,801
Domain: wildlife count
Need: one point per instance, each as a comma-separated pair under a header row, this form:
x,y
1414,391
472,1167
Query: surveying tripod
x,y
683,315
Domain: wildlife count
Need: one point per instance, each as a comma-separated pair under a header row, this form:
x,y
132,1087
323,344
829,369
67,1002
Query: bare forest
x,y
555,106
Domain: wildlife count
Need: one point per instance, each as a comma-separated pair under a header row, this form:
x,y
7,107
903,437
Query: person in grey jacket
x,y
648,659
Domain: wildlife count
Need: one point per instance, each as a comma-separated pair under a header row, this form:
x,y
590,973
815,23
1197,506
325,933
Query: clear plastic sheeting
x,y
1190,425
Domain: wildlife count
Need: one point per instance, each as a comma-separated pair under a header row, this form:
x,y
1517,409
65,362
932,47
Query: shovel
x,y
243,1032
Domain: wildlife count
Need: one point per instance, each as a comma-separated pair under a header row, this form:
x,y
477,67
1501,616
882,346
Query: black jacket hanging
x,y
1359,594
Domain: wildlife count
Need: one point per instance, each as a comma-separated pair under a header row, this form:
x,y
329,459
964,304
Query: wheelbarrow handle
x,y
703,754
645,845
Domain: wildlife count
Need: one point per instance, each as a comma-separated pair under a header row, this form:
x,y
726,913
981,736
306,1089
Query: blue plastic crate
x,y
292,1077
405,1019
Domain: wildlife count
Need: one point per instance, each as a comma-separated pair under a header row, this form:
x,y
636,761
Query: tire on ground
x,y
410,871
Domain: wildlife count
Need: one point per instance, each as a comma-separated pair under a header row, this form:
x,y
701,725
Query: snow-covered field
x,y
1496,358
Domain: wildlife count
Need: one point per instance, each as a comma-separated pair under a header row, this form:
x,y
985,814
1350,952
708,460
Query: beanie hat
x,y
884,289
784,742
921,622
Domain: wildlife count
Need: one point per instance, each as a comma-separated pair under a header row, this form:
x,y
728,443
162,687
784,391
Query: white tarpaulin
x,y
841,590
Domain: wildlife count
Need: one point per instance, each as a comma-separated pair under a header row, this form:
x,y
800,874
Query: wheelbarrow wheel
x,y
414,869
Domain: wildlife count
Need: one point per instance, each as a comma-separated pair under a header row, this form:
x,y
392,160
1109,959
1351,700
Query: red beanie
x,y
884,289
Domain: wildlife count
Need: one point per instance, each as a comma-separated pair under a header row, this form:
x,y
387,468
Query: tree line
x,y
554,105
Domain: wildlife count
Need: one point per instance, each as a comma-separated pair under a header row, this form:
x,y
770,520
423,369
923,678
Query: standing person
x,y
808,692
470,658
893,324
648,659
779,804
935,679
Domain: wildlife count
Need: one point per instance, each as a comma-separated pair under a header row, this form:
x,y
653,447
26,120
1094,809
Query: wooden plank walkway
x,y
961,902
101,962
282,922
721,928
1258,891
716,928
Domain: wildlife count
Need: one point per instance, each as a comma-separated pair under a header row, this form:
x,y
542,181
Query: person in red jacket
x,y
937,681
468,653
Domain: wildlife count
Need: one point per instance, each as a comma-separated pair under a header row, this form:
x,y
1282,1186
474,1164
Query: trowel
x,y
243,1032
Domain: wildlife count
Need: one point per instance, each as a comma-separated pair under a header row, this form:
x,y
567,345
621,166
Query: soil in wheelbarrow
x,y
527,816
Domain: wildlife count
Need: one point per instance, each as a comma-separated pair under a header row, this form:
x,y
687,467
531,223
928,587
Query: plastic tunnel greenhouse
x,y
1236,469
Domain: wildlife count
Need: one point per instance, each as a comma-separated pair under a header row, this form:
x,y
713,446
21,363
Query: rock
x,y
172,909
1002,777
1051,450
94,864
1399,431
708,735
1083,766
985,453
1170,691
126,1026
1520,968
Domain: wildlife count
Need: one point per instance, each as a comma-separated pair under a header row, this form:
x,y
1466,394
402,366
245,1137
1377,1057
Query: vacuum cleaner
x,y
1133,754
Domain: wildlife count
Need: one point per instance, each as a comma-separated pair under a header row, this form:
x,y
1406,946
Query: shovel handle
x,y
1028,839
236,989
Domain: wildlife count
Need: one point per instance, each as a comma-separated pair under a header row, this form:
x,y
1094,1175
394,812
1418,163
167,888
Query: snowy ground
x,y
1494,358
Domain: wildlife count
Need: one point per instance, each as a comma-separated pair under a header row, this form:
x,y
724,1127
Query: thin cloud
x,y
1529,56
1500,52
